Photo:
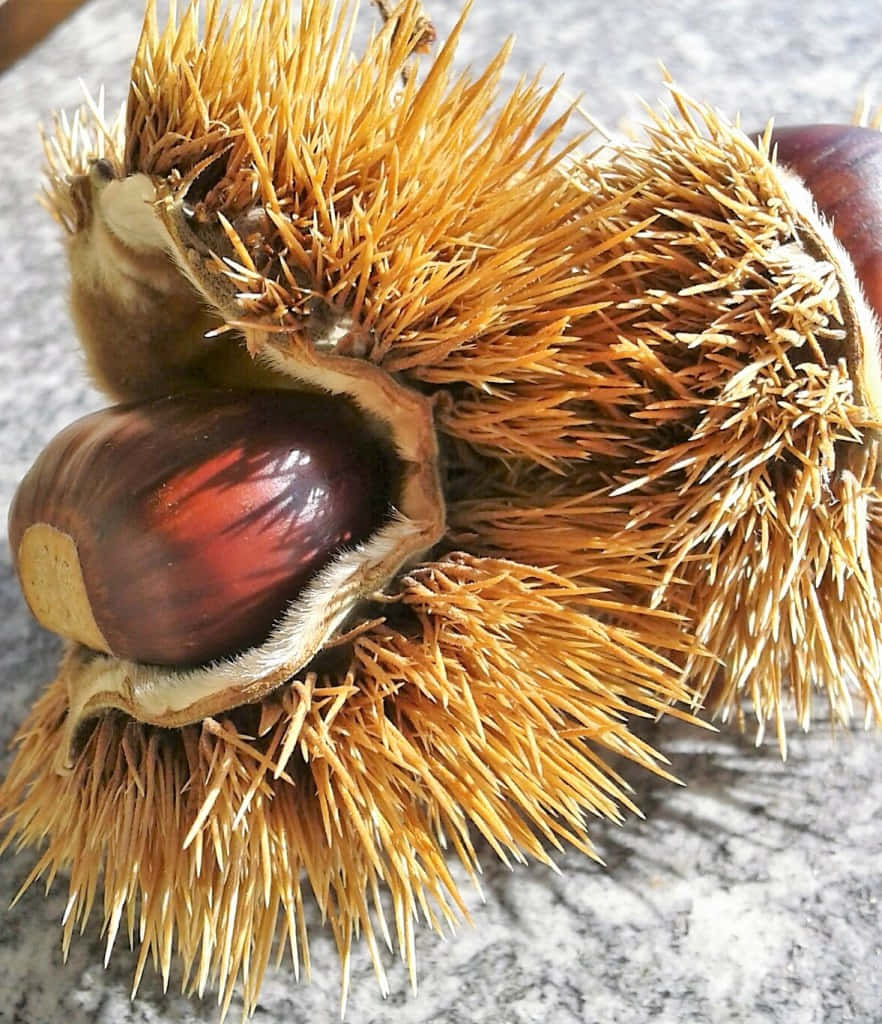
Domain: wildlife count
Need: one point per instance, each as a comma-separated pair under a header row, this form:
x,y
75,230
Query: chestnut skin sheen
x,y
841,165
191,522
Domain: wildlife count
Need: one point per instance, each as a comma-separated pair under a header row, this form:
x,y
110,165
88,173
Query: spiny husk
x,y
448,236
748,451
495,712
486,692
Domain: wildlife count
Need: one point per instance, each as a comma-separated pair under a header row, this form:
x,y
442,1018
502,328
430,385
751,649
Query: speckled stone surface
x,y
750,895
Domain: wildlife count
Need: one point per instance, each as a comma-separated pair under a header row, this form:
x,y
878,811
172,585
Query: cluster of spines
x,y
497,713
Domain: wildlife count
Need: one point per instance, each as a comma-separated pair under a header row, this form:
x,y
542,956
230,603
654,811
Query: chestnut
x,y
176,531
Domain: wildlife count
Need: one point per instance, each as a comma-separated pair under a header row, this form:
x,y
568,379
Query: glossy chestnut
x,y
176,531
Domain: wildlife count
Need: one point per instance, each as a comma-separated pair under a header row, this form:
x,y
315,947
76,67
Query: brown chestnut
x,y
841,166
176,531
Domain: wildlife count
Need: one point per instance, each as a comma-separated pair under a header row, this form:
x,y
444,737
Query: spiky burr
x,y
658,471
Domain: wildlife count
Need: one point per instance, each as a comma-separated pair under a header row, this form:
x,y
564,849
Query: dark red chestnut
x,y
176,531
841,166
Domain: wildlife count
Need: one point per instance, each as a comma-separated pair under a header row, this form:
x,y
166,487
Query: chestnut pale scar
x,y
53,584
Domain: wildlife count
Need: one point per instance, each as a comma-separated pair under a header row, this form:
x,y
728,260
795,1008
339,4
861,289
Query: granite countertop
x,y
749,895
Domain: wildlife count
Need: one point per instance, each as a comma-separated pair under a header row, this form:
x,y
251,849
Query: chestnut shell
x,y
198,518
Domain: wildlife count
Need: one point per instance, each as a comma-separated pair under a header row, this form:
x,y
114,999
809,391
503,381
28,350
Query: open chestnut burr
x,y
614,421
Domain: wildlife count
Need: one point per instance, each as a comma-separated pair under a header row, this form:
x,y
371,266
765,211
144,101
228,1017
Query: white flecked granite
x,y
751,894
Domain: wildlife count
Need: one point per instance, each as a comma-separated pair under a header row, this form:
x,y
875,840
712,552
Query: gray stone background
x,y
750,895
